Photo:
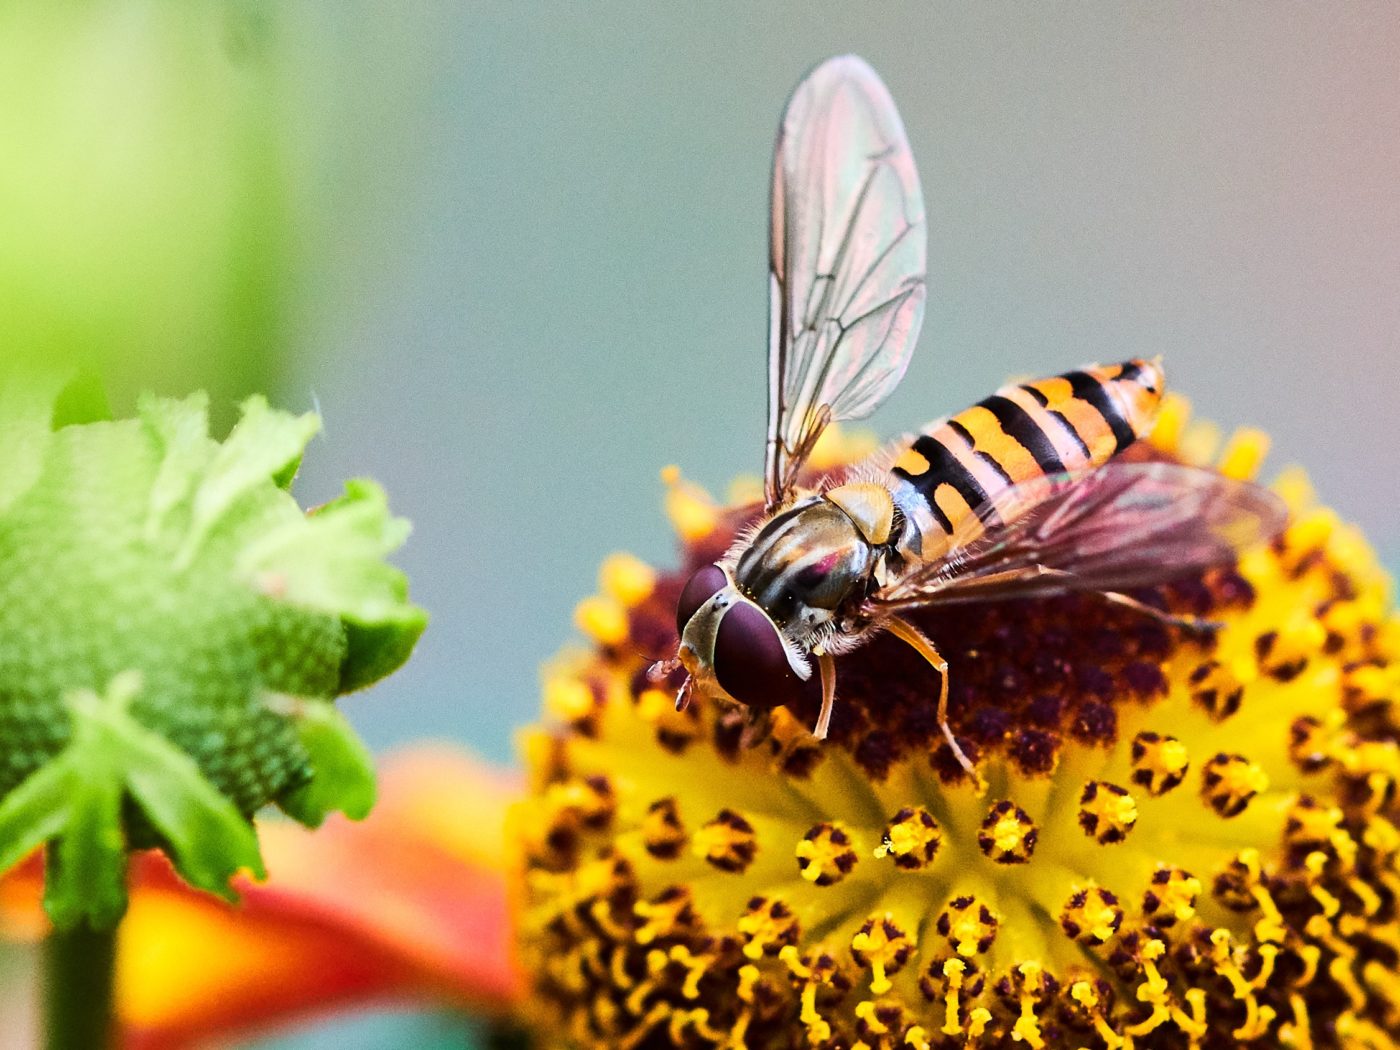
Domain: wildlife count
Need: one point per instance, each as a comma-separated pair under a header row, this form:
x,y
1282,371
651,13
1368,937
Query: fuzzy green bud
x,y
173,629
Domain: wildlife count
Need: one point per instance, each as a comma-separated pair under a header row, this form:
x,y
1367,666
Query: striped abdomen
x,y
1066,424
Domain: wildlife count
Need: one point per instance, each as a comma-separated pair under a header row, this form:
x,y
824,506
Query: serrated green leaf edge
x,y
342,767
74,801
332,560
262,447
180,430
376,650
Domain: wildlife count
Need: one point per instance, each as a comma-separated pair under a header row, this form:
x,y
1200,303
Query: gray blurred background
x,y
540,236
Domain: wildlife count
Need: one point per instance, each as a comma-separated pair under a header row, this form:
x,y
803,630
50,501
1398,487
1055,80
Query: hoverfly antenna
x,y
661,670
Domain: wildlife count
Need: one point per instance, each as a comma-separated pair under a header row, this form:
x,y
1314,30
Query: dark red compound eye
x,y
703,585
750,661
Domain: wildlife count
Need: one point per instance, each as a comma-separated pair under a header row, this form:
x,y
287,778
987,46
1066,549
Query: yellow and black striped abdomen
x,y
1067,424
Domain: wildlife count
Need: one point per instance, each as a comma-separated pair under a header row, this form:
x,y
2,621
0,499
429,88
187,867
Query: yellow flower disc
x,y
1186,841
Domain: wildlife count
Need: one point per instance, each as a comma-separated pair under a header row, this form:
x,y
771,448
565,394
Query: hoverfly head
x,y
730,646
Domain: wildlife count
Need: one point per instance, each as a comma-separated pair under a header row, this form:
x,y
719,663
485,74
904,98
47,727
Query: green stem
x,y
78,972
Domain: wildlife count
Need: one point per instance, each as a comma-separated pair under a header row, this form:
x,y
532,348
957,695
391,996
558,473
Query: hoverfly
x,y
1018,496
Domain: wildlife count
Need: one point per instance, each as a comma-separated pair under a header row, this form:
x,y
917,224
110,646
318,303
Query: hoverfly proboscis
x,y
1018,496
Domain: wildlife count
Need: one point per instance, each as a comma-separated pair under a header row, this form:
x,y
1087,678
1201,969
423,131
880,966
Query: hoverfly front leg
x,y
827,666
919,642
661,670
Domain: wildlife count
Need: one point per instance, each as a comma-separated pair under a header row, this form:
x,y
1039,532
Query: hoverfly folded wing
x,y
1124,525
847,260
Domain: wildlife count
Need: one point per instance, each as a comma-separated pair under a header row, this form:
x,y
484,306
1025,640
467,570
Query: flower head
x,y
1188,839
173,628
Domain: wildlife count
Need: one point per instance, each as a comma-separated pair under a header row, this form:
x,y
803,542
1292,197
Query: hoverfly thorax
x,y
805,564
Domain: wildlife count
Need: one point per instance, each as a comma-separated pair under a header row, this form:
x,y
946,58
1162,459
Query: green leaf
x,y
332,561
88,880
181,431
262,446
33,813
343,780
210,839
75,800
283,478
376,650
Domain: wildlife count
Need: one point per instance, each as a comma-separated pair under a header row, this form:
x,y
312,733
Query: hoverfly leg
x,y
919,642
683,696
661,670
1194,624
827,667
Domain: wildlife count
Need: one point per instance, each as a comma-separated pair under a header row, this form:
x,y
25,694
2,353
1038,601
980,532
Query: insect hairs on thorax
x,y
811,564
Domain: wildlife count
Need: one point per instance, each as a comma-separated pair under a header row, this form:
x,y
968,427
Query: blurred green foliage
x,y
143,233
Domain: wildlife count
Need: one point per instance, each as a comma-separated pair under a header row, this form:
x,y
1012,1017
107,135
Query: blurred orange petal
x,y
21,901
407,905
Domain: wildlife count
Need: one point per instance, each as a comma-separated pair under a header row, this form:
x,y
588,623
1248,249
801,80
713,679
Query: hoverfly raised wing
x,y
1125,525
847,250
